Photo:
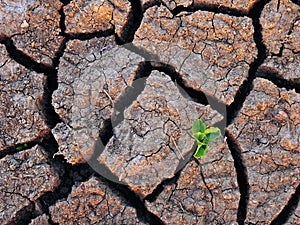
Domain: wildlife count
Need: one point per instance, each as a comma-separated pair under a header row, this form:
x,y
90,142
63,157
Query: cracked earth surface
x,y
98,98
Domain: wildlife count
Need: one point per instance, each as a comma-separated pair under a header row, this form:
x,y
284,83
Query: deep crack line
x,y
88,36
72,174
22,146
24,59
242,177
69,176
191,94
134,201
134,21
289,209
215,8
152,63
25,216
245,89
160,188
272,75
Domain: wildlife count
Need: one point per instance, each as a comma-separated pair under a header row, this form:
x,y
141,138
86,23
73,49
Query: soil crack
x,y
215,8
242,177
247,86
289,209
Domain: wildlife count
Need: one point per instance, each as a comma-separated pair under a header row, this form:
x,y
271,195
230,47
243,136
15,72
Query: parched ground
x,y
98,98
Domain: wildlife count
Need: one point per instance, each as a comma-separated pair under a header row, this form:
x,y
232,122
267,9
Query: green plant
x,y
21,147
204,136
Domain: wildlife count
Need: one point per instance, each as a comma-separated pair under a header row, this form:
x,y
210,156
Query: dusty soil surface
x,y
98,98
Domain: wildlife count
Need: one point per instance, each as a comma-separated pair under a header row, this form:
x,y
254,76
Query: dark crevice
x,y
279,54
24,59
152,62
62,20
22,146
131,92
297,2
134,20
50,85
129,95
149,4
131,198
255,13
106,132
159,189
190,93
65,2
71,175
288,209
242,177
272,75
215,8
24,216
45,104
247,86
59,54
195,95
291,30
143,71
88,36
50,221
239,99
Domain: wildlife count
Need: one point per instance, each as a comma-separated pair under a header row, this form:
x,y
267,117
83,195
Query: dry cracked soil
x,y
98,98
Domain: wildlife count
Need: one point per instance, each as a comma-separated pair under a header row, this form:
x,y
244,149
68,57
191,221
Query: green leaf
x,y
211,137
199,136
200,151
212,130
19,148
198,126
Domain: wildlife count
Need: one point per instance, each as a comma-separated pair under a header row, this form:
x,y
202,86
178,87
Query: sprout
x,y
204,136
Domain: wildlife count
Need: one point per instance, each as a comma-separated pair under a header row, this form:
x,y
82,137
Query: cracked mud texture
x,y
267,130
25,176
33,26
281,32
212,51
40,220
205,193
93,202
96,15
155,136
20,92
90,81
218,48
295,218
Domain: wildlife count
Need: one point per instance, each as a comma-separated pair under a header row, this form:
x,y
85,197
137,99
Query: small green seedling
x,y
21,147
204,136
